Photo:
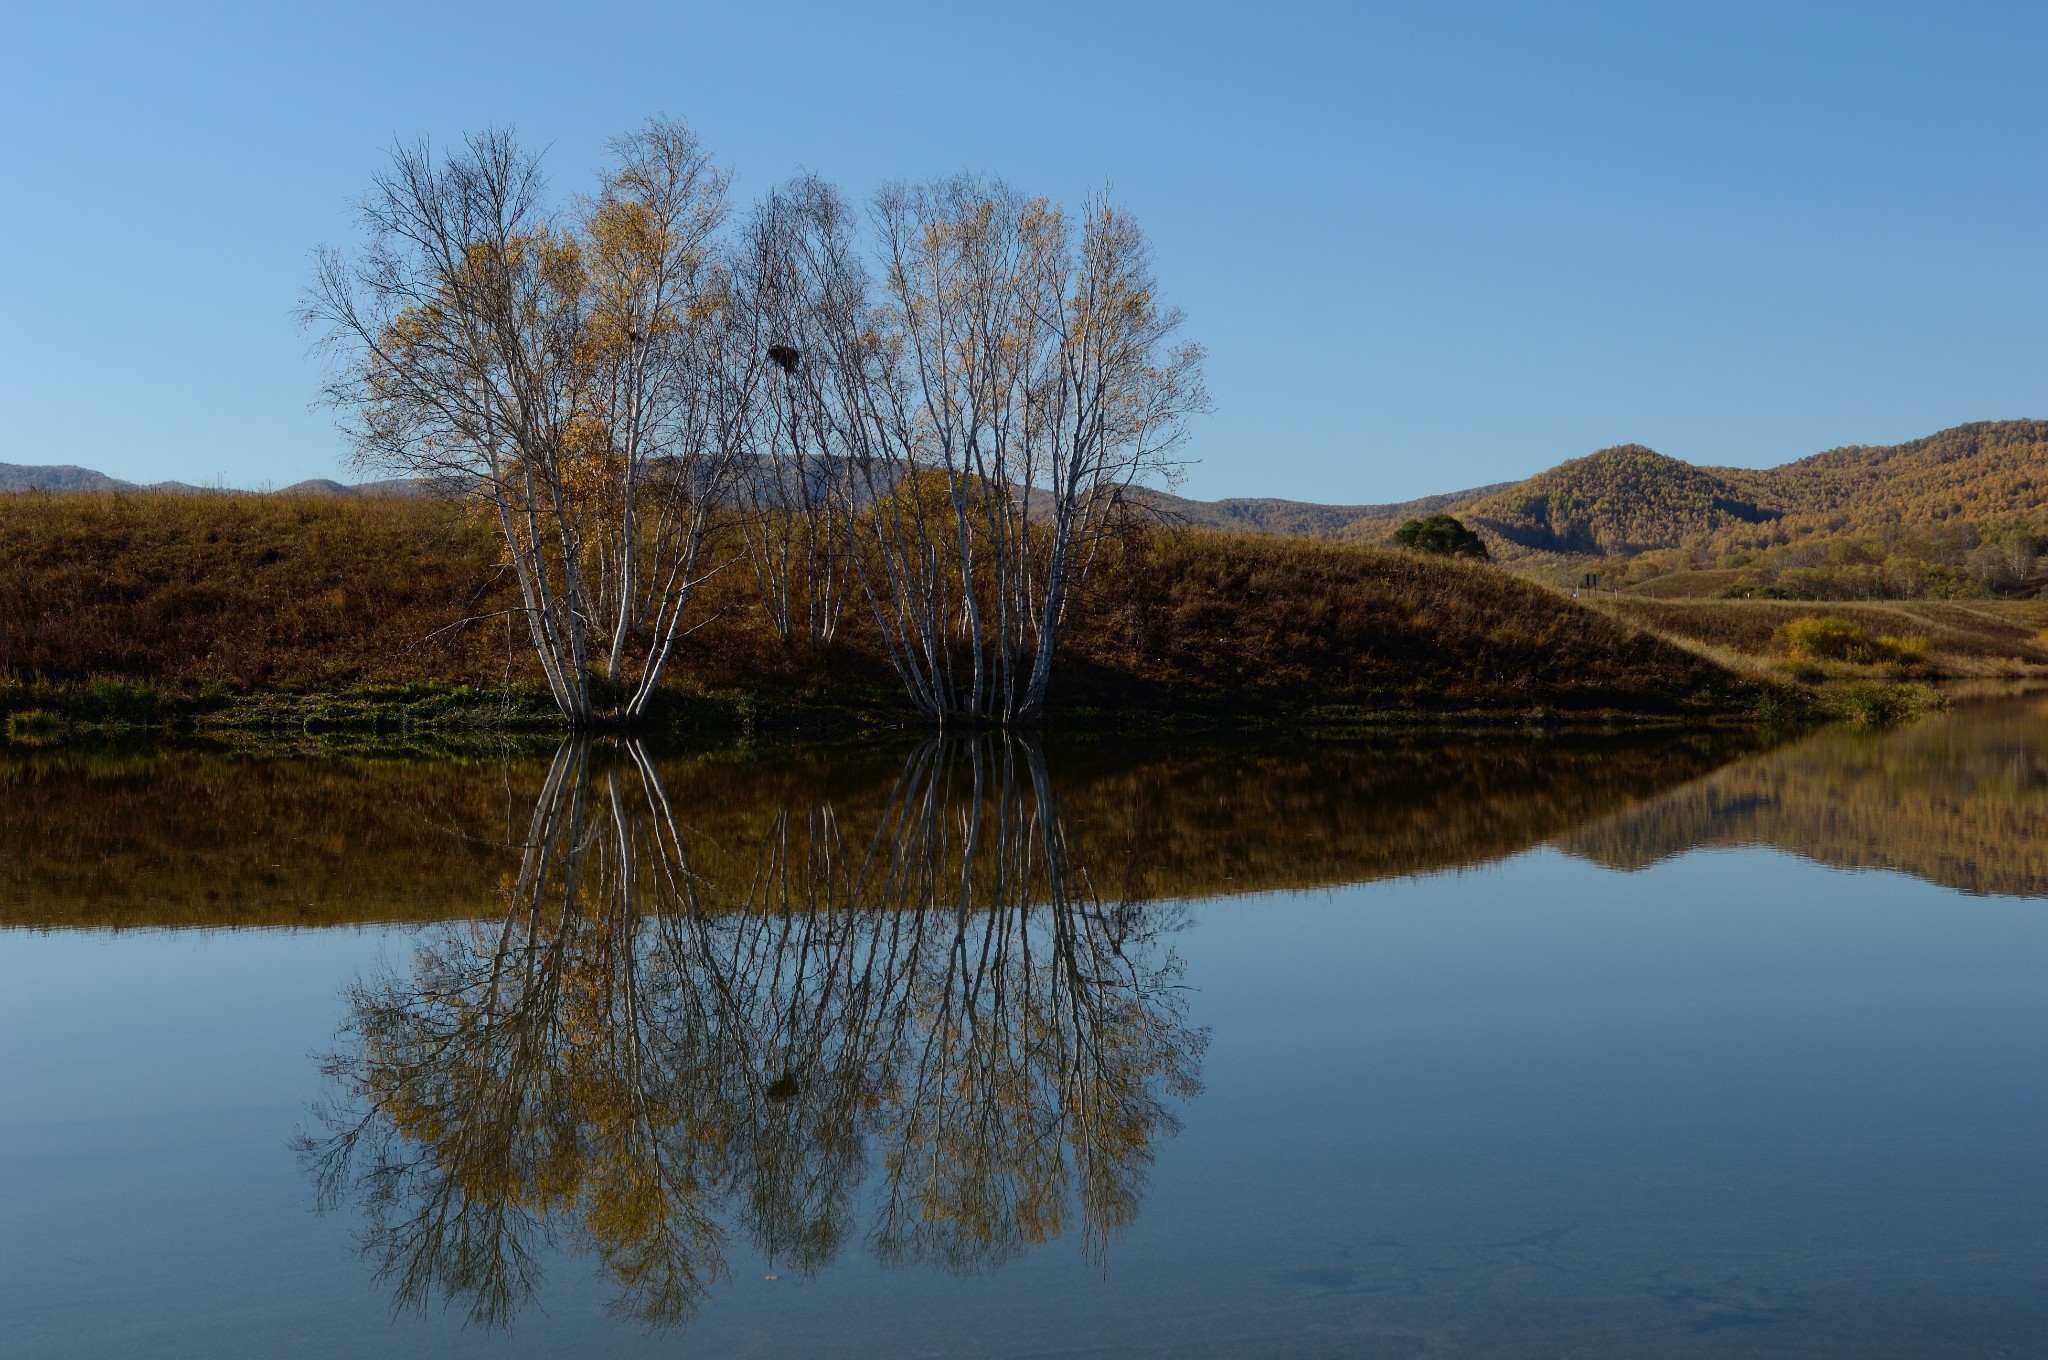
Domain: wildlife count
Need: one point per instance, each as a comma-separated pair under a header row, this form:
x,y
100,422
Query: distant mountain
x,y
322,486
1260,515
1618,500
1987,471
1302,518
17,477
1615,502
1631,499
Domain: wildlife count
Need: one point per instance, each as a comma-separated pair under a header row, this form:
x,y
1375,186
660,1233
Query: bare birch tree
x,y
1016,379
570,369
796,268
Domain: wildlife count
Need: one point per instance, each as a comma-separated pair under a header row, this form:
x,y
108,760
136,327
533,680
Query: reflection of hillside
x,y
932,1000
1961,801
197,840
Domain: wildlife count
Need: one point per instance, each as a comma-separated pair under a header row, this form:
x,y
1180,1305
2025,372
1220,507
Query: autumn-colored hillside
x,y
1957,515
1630,498
242,594
248,590
1223,622
1616,501
1986,472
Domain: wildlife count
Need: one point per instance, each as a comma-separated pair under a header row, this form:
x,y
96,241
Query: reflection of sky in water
x,y
1732,1103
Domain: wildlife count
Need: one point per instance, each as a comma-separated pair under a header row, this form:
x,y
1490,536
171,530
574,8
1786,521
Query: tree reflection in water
x,y
639,1063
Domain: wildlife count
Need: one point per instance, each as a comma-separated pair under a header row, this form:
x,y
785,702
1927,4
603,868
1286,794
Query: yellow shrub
x,y
1907,649
1827,638
1832,638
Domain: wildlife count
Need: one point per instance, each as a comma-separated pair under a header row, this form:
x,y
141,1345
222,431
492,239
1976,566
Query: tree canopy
x,y
1444,535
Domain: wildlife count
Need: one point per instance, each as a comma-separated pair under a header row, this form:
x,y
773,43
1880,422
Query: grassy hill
x,y
1953,639
239,594
1962,512
259,590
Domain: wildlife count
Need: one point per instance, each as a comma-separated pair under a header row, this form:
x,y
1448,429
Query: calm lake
x,y
1522,1046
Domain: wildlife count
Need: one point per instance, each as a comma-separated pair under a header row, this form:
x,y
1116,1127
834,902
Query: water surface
x,y
1519,1047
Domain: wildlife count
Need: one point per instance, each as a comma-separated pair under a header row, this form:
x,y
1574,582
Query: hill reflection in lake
x,y
195,839
1960,800
188,838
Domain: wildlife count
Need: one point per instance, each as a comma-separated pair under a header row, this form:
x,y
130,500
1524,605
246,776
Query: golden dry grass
x,y
255,593
1965,639
246,590
1221,619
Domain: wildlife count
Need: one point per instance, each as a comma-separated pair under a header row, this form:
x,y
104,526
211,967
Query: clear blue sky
x,y
1427,245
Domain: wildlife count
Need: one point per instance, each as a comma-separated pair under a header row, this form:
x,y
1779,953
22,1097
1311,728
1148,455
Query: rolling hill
x,y
1304,518
301,593
1617,501
1970,484
59,477
1982,472
1629,499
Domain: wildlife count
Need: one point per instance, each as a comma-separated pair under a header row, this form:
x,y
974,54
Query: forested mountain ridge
x,y
1984,471
1629,499
1619,500
1257,514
